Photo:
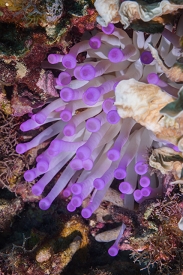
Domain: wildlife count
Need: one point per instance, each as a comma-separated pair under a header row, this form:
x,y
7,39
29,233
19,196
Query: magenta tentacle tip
x,y
36,190
69,61
21,148
109,29
67,94
71,207
76,189
40,157
88,164
95,42
152,78
137,194
146,57
107,105
146,191
69,130
66,115
115,55
91,96
113,117
144,181
29,175
66,193
40,118
54,58
141,168
43,166
83,152
55,147
64,78
86,213
120,173
93,125
25,126
44,204
99,183
87,72
113,154
125,187
76,201
76,164
113,251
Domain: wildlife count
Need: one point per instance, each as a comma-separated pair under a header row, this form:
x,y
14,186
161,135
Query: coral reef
x,y
159,239
4,102
8,210
41,242
11,164
108,142
151,232
167,161
48,254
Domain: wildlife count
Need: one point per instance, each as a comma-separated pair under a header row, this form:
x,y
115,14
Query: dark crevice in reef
x,y
9,92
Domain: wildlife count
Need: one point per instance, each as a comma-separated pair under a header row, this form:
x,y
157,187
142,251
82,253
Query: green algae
x,y
175,108
13,40
148,27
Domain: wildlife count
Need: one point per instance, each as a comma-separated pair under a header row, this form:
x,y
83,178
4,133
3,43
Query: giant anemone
x,y
90,139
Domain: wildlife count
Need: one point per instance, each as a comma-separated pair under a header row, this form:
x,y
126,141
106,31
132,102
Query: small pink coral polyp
x,y
97,143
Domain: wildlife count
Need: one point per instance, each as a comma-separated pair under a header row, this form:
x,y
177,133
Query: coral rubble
x,y
159,238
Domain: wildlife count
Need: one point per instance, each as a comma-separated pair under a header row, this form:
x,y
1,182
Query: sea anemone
x,y
91,141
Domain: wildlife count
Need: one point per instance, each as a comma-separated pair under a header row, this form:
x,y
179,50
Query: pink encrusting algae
x,y
97,143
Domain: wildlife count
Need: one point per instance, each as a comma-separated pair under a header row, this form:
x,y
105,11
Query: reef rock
x,y
108,10
128,11
167,161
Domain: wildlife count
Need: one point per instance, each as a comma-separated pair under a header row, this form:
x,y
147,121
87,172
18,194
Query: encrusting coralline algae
x,y
102,124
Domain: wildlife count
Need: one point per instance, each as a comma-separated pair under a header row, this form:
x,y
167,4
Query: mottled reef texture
x,y
29,31
52,242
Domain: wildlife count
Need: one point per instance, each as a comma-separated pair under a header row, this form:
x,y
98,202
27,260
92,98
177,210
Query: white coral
x,y
108,11
142,102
